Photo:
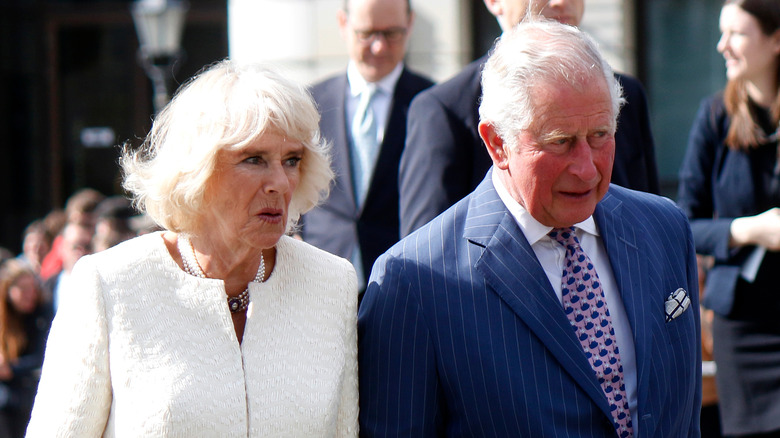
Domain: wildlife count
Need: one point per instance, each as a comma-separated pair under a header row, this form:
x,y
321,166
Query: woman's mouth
x,y
273,215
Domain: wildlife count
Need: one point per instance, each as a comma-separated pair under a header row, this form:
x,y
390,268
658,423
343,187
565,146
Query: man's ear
x,y
495,7
342,18
496,146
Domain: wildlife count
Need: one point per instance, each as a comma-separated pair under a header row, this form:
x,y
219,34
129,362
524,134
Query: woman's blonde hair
x,y
226,106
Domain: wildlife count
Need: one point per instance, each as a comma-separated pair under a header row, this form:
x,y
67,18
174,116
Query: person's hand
x,y
762,230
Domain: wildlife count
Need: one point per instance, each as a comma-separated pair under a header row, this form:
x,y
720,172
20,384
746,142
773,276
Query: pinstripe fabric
x,y
461,335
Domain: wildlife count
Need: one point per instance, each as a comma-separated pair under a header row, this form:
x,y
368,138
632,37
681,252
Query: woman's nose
x,y
277,180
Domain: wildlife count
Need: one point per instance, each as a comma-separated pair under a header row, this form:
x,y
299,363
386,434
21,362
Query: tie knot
x,y
564,236
369,92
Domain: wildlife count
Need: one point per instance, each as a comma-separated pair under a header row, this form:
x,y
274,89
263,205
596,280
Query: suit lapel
x,y
630,269
334,123
386,168
512,270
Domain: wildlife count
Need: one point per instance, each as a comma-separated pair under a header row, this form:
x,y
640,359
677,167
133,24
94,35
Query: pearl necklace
x,y
238,303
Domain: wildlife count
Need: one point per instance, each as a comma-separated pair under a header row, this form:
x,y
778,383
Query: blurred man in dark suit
x,y
445,159
364,117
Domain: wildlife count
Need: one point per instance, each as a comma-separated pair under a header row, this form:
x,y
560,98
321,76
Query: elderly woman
x,y
221,325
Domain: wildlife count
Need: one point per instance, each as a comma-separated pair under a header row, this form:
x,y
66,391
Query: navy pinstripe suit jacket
x,y
461,334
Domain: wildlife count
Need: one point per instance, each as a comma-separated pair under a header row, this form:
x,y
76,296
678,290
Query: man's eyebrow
x,y
555,134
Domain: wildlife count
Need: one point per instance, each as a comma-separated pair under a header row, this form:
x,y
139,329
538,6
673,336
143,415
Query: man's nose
x,y
582,161
378,43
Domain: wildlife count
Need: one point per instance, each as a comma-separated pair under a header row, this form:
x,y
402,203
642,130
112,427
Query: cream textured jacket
x,y
142,349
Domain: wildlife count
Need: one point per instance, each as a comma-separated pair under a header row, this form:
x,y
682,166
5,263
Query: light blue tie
x,y
365,143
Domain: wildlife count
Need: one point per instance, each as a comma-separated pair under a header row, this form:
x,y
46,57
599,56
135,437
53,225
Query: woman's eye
x,y
252,160
293,161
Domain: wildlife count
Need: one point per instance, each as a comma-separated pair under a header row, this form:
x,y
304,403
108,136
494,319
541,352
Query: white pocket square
x,y
676,304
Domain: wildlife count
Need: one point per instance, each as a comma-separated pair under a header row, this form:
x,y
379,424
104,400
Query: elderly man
x,y
547,302
364,116
444,157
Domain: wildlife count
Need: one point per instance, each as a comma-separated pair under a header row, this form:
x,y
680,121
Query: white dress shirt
x,y
381,102
380,105
552,256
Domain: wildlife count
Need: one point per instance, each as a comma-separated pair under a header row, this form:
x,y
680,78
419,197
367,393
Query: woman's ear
x,y
496,147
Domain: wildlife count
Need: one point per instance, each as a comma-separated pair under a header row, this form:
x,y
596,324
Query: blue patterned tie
x,y
365,143
586,308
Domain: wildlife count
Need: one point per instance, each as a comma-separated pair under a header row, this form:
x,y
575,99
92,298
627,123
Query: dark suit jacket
x,y
461,334
445,157
337,225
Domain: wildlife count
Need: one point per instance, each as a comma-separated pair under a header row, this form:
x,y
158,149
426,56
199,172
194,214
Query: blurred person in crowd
x,y
364,117
548,302
113,224
445,157
24,324
710,415
80,210
5,254
730,190
75,242
221,325
143,224
36,243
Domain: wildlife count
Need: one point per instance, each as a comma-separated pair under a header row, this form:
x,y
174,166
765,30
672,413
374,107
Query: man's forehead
x,y
559,102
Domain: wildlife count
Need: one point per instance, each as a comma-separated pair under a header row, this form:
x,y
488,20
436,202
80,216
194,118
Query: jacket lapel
x,y
630,269
512,271
336,121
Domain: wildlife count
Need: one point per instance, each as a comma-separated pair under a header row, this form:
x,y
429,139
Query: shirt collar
x,y
387,84
532,229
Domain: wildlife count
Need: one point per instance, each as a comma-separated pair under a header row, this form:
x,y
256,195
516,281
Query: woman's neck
x,y
763,91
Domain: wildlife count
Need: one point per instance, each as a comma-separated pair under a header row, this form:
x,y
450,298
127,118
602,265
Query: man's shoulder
x,y
632,89
414,81
460,91
642,203
440,233
329,85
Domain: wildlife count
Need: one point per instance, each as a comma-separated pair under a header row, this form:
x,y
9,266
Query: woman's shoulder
x,y
303,254
712,119
715,102
714,106
307,263
141,250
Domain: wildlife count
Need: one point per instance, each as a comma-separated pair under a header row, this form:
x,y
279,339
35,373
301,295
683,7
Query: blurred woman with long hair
x,y
730,190
24,325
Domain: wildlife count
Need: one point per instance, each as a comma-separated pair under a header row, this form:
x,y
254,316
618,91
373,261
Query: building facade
x,y
73,88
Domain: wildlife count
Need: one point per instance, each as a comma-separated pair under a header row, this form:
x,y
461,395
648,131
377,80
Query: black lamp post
x,y
159,24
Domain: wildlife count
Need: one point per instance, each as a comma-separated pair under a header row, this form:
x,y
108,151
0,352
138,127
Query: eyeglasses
x,y
391,35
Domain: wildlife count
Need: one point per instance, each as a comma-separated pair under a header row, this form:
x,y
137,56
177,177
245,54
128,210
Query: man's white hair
x,y
538,53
